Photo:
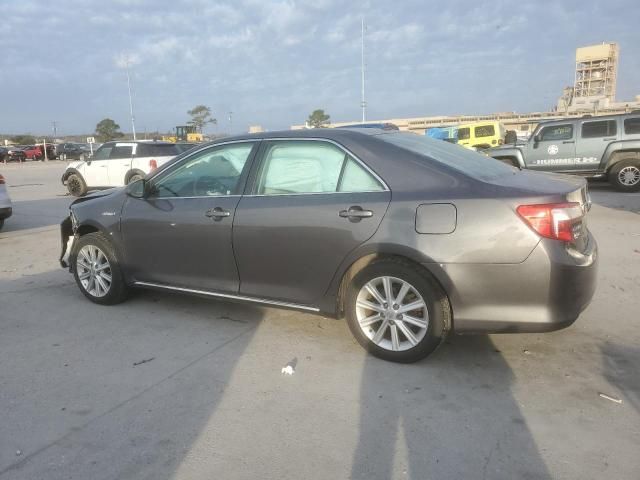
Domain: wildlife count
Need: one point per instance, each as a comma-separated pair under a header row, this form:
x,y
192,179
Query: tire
x,y
134,177
434,317
96,269
76,185
1,223
625,176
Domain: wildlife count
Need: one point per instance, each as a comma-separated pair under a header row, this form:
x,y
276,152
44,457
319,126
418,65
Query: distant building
x,y
256,129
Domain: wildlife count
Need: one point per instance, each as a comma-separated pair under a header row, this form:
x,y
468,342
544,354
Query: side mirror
x,y
138,189
537,138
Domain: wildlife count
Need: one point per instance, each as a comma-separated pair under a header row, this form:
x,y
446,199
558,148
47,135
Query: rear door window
x,y
121,151
632,126
464,133
310,166
604,128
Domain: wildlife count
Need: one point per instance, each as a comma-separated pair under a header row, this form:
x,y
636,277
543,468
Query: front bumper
x,y
546,292
67,237
5,212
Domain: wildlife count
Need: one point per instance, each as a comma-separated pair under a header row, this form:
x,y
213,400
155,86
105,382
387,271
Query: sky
x,y
272,62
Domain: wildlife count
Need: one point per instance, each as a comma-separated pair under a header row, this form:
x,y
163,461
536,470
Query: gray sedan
x,y
407,237
6,209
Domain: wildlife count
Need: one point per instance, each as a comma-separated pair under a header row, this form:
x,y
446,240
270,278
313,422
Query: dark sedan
x,y
12,154
408,237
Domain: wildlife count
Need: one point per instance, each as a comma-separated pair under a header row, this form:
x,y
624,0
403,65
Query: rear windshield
x,y
485,131
156,150
467,161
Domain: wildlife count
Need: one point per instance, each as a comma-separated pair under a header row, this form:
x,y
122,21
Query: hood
x,y
75,164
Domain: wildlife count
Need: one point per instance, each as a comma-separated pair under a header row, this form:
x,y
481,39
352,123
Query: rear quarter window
x,y
156,150
632,126
466,161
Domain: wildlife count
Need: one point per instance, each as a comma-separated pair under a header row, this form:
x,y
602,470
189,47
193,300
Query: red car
x,y
33,152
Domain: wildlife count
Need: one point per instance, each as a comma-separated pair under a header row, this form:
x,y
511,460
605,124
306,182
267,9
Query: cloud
x,y
270,61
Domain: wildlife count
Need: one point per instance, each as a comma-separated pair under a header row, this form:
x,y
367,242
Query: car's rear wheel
x,y
625,175
76,185
1,223
96,269
396,311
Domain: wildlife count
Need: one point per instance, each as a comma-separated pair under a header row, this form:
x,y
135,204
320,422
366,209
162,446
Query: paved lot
x,y
78,400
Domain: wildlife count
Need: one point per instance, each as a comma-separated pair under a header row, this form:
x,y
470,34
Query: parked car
x,y
481,135
33,152
597,147
12,154
72,151
115,164
408,237
6,209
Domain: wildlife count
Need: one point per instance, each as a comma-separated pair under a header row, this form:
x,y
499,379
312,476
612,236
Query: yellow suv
x,y
481,135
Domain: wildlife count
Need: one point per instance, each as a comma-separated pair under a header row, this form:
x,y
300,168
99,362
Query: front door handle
x,y
217,213
569,141
355,213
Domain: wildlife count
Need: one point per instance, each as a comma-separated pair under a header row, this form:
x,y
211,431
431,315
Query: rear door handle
x,y
355,213
608,139
217,213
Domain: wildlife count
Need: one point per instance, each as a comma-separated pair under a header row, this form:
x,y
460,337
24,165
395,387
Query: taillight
x,y
1,180
153,164
500,141
559,221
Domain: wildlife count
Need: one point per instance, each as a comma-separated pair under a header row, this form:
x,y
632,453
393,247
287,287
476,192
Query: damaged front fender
x,y
67,236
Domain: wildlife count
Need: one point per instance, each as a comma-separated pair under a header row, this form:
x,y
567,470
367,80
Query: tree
x,y
23,139
107,129
200,116
318,119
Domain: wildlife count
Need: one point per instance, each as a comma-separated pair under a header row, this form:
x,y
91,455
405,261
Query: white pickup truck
x,y
115,164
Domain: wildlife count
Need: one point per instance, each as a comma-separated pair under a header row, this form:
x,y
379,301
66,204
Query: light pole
x,y
133,123
230,122
363,102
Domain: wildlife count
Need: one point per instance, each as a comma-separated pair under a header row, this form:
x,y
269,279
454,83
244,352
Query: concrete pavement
x,y
173,387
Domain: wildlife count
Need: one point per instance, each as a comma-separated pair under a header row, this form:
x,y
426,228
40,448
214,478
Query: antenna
x,y
363,103
133,123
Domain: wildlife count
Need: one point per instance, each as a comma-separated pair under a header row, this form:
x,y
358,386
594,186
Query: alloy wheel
x,y
629,176
392,313
94,271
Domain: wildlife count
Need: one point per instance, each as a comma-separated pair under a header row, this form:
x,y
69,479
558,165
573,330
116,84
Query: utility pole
x,y
363,102
230,122
55,130
133,123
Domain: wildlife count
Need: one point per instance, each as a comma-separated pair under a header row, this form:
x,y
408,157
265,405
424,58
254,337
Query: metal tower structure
x,y
596,71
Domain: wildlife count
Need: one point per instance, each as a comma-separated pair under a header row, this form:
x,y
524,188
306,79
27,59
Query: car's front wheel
x,y
96,269
397,311
76,185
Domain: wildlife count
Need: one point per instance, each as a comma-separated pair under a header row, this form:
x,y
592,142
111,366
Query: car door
x,y
120,163
95,169
552,148
310,204
180,234
594,138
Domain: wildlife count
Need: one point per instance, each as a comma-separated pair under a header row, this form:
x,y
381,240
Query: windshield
x,y
471,163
